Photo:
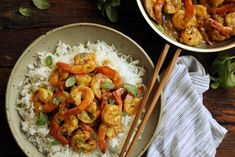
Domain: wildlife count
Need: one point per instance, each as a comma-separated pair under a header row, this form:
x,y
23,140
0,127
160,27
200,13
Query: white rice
x,y
37,75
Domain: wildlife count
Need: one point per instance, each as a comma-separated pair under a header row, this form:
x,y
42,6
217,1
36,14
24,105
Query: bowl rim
x,y
41,37
178,44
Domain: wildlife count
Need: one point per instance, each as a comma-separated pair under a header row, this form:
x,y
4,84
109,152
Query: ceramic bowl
x,y
225,45
74,34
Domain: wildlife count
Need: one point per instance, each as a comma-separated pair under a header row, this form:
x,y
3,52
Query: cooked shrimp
x,y
62,127
171,6
96,82
77,69
189,12
69,125
81,97
201,11
118,97
215,3
217,36
83,63
230,21
112,74
41,99
84,139
111,115
83,79
178,20
191,36
224,9
61,100
224,30
90,114
107,131
58,77
113,131
131,104
84,58
158,5
101,137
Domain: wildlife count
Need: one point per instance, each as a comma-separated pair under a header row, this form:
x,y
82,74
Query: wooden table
x,y
18,32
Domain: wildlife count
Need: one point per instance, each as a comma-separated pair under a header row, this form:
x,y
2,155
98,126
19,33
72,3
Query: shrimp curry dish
x,y
194,23
86,104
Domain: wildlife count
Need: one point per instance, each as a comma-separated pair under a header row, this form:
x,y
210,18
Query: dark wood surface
x,y
17,32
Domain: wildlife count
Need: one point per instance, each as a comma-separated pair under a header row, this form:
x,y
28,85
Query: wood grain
x,y
17,32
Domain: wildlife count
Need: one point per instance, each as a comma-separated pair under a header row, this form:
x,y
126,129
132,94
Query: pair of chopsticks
x,y
153,102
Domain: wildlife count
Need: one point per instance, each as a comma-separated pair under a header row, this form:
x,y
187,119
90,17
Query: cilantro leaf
x,y
42,119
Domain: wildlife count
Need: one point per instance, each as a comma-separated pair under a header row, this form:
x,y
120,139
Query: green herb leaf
x,y
70,81
42,119
111,12
223,71
56,100
94,136
48,60
132,89
41,4
111,101
107,84
25,11
115,3
53,143
79,140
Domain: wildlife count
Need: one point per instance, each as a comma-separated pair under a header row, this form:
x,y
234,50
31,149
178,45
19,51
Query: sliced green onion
x,y
70,81
42,119
48,60
107,84
94,136
132,89
56,100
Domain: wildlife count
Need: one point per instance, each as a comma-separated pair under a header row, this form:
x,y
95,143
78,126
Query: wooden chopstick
x,y
145,98
154,101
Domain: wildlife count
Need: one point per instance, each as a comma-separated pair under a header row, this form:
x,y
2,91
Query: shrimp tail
x,y
158,5
218,26
189,10
101,138
63,66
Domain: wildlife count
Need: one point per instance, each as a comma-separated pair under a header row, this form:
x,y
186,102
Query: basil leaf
x,y
48,60
132,89
25,11
94,136
42,119
56,100
41,4
111,12
223,71
107,84
70,81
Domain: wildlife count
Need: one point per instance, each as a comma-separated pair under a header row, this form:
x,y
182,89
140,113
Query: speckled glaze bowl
x,y
74,34
221,46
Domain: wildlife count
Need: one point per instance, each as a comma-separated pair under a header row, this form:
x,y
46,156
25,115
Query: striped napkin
x,y
186,127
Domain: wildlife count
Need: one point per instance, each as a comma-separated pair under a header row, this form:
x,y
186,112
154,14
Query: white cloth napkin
x,y
186,127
